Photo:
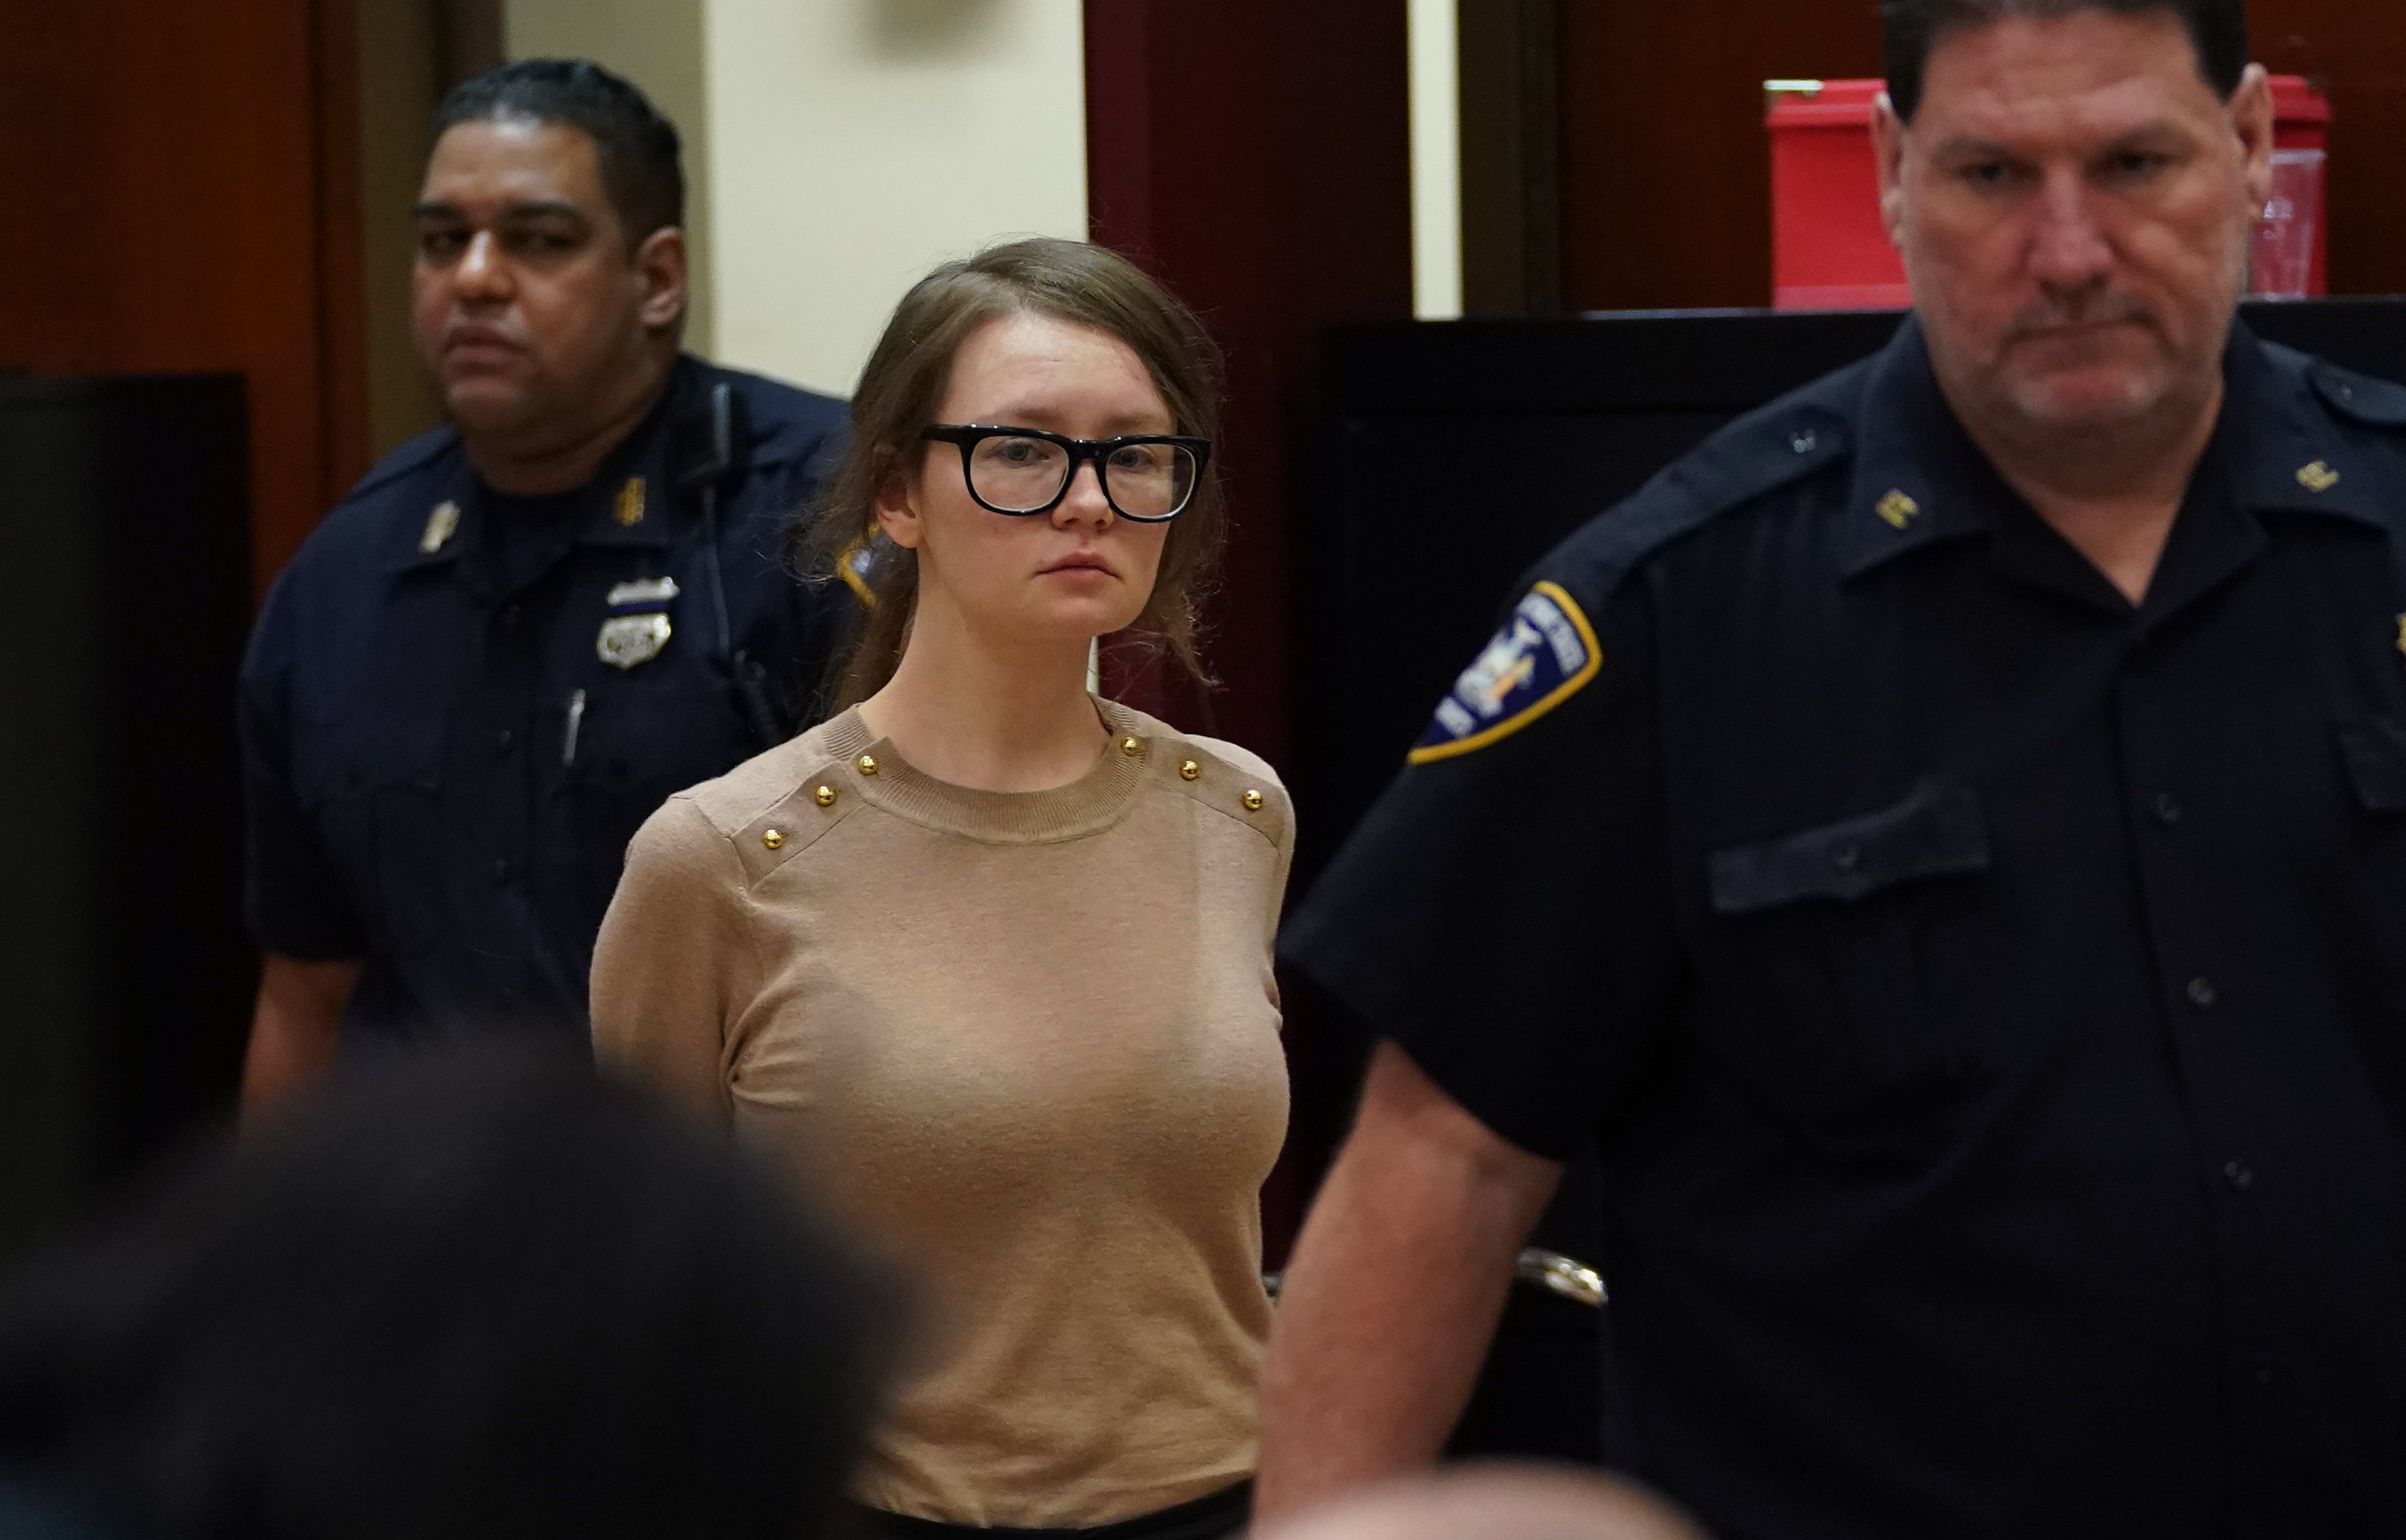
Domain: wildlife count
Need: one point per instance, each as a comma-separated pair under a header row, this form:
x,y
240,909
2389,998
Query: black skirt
x,y
1221,1515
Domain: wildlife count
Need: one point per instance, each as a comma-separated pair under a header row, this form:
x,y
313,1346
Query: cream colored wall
x,y
857,143
836,149
660,46
1432,27
400,79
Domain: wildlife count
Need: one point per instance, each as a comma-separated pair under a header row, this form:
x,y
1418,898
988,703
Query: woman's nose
x,y
1084,500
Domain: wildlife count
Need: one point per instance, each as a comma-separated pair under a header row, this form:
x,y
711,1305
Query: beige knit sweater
x,y
1027,1045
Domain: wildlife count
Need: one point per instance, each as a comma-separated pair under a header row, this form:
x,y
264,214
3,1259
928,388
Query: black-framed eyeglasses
x,y
1148,477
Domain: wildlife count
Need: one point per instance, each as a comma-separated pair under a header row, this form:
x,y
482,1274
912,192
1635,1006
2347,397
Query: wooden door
x,y
183,185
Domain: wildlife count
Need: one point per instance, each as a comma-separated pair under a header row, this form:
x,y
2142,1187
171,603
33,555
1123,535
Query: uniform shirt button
x,y
504,740
500,872
2238,1174
1846,857
2202,993
2168,810
1804,441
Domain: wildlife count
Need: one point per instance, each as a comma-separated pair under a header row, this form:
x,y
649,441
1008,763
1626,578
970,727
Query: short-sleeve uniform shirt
x,y
458,707
1988,994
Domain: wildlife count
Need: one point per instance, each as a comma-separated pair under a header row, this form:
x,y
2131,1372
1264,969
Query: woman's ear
x,y
897,504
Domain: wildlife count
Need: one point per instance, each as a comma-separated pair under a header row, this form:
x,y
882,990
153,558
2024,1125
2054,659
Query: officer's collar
x,y
633,500
630,500
2294,458
1918,479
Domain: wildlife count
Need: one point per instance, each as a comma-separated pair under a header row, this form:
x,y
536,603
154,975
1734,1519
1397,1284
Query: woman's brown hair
x,y
904,383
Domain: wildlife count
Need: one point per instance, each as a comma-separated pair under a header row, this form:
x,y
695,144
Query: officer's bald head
x,y
1494,1502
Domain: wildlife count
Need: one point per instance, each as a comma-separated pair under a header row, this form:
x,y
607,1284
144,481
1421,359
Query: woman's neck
x,y
963,712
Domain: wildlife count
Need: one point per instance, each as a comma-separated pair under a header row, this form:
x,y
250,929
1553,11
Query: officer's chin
x,y
483,404
2092,397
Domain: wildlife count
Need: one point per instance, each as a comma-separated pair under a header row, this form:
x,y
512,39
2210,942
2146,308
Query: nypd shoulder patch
x,y
1544,654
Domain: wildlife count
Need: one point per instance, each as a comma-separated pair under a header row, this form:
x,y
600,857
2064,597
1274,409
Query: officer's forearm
x,y
293,1025
1394,1289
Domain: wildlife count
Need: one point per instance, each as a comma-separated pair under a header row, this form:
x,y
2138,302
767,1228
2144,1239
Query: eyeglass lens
x,y
1142,480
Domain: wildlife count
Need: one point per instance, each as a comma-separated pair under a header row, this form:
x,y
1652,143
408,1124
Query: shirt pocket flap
x,y
2375,752
1935,830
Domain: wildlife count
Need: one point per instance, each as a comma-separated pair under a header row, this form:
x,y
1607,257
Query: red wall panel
x,y
1254,155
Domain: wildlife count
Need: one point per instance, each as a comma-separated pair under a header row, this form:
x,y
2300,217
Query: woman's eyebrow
x,y
1044,418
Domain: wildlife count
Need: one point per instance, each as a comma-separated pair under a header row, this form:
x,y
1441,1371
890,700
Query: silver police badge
x,y
638,627
627,640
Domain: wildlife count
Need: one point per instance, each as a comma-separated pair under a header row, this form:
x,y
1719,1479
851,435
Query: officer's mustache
x,y
2063,312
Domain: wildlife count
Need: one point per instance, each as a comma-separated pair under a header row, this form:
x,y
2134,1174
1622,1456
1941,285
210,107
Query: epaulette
x,y
1766,450
788,422
2359,398
1247,795
776,834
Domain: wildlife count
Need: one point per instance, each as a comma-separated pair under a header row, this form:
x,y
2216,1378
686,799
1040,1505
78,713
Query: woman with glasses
x,y
988,954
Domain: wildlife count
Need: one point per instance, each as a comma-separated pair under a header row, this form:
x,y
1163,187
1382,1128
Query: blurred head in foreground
x,y
1495,1501
492,1297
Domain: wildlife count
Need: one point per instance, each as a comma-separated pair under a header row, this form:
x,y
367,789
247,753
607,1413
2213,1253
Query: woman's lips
x,y
1079,564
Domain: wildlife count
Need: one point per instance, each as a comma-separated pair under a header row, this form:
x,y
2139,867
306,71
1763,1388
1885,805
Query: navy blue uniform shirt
x,y
1988,994
457,707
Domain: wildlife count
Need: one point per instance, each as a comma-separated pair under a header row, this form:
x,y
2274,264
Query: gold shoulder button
x,y
1189,770
1252,799
2317,477
868,763
1131,746
774,839
1897,509
824,796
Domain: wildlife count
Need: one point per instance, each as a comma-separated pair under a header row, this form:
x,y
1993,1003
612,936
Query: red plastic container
x,y
1828,250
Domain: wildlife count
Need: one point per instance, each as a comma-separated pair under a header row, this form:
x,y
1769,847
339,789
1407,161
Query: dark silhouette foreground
x,y
469,1298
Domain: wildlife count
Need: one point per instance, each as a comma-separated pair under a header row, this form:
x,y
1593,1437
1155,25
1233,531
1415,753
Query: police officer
x,y
523,631
1945,839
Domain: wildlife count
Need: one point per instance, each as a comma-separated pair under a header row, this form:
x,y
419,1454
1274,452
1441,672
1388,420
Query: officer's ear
x,y
660,269
1888,149
2251,122
895,507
